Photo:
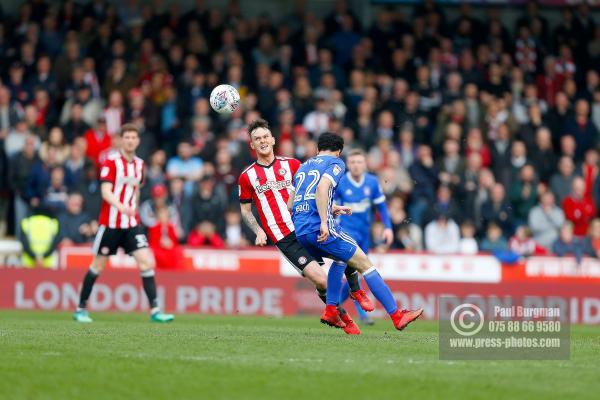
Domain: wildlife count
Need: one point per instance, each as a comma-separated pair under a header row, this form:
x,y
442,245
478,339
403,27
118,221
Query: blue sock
x,y
381,291
345,292
362,314
334,283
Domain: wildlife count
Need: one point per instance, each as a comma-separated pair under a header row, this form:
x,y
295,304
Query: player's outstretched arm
x,y
252,223
110,198
322,199
388,232
378,198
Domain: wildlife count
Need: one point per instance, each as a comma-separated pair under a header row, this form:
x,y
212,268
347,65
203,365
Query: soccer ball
x,y
224,99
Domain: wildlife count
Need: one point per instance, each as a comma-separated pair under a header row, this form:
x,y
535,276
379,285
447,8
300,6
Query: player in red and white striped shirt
x,y
121,175
267,186
126,178
267,183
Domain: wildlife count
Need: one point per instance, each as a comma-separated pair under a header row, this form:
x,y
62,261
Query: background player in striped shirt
x,y
267,183
360,191
121,174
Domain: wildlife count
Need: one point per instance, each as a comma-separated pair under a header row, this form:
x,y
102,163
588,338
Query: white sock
x,y
370,270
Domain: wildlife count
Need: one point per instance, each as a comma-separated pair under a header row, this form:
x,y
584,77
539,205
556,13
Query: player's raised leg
x,y
146,263
361,191
382,292
339,246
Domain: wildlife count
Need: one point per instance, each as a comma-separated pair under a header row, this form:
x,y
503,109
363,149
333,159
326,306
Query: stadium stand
x,y
468,122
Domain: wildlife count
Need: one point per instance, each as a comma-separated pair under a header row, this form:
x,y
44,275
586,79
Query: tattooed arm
x,y
252,223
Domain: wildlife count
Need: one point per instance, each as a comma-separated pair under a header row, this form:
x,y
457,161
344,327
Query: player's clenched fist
x,y
129,211
388,236
324,232
341,210
261,238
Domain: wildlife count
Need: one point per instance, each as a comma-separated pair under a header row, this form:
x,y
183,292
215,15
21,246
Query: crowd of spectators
x,y
485,135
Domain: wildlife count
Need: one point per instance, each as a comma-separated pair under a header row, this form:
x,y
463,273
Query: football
x,y
224,99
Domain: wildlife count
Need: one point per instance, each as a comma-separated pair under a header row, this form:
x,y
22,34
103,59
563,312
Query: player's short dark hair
x,y
330,141
257,123
129,128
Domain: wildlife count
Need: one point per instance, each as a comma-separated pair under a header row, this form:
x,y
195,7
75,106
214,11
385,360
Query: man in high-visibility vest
x,y
39,237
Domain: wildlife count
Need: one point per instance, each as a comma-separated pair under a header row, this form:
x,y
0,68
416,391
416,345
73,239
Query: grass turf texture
x,y
123,356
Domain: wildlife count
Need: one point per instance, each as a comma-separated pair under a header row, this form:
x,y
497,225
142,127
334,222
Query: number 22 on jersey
x,y
310,192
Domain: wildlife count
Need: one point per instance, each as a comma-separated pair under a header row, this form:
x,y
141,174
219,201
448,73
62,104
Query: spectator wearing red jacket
x,y
98,140
205,234
549,83
475,144
578,208
163,239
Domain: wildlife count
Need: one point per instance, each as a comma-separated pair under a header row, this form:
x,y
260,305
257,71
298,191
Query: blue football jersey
x,y
360,197
304,210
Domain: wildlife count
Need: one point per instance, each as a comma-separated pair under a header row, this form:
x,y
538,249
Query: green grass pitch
x,y
123,356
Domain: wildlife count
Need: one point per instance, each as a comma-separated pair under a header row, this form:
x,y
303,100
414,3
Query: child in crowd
x,y
568,244
468,243
494,241
234,234
523,244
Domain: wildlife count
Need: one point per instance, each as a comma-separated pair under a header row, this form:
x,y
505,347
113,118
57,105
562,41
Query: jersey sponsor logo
x,y
301,208
336,170
273,185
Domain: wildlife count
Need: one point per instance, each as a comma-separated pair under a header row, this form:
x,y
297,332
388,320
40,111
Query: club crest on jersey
x,y
302,260
336,170
281,171
348,192
367,191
